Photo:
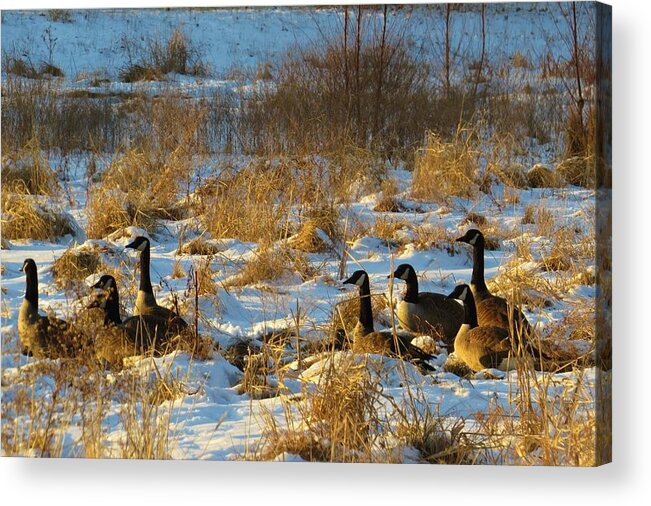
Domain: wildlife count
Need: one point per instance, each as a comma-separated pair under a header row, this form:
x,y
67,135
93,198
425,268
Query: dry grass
x,y
446,169
578,171
159,58
199,246
28,171
389,202
551,428
310,239
542,177
272,264
26,217
228,203
388,228
74,266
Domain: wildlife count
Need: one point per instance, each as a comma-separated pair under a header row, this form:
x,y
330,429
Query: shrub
x,y
160,58
26,217
445,169
28,171
74,266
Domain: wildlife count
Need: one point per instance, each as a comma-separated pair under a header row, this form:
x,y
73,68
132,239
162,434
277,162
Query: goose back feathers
x,y
425,312
480,347
135,335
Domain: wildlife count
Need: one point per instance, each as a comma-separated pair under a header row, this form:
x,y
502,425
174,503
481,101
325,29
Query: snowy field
x,y
214,416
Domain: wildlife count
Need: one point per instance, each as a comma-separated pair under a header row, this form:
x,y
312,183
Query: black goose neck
x,y
145,280
470,310
112,308
365,307
31,291
411,293
477,279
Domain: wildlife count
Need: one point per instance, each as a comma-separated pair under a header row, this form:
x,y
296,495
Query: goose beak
x,y
348,281
131,245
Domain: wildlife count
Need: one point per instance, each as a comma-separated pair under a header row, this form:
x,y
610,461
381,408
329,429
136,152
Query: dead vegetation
x,y
156,58
27,217
446,169
74,266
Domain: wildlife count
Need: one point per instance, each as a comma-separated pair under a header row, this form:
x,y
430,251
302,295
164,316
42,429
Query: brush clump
x,y
26,217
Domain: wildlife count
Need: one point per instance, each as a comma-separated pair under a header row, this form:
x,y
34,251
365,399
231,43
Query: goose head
x,y
358,278
473,237
104,289
460,292
140,243
404,272
29,266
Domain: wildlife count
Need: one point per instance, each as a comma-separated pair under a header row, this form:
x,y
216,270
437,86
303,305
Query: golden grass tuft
x,y
272,264
446,169
389,203
25,217
109,211
578,171
28,172
542,177
387,228
74,266
228,203
309,239
199,246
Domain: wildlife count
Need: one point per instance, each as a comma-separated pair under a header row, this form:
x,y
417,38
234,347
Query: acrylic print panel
x,y
209,216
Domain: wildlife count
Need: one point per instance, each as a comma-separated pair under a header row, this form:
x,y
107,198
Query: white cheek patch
x,y
462,295
142,246
473,240
109,283
405,275
361,280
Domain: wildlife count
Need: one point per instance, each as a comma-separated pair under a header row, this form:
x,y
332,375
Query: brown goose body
x,y
44,336
426,312
384,343
480,347
367,340
483,347
137,335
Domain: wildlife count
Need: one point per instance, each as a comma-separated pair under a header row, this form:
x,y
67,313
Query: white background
x,y
626,481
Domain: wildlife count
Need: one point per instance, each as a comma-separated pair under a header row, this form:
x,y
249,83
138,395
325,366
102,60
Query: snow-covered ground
x,y
215,420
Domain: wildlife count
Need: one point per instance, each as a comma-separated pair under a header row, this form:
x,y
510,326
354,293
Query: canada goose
x,y
133,336
427,312
43,336
145,301
480,347
367,340
492,311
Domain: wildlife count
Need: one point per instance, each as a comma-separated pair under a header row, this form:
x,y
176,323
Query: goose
x,y
145,301
426,312
44,336
135,335
480,347
367,340
492,310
